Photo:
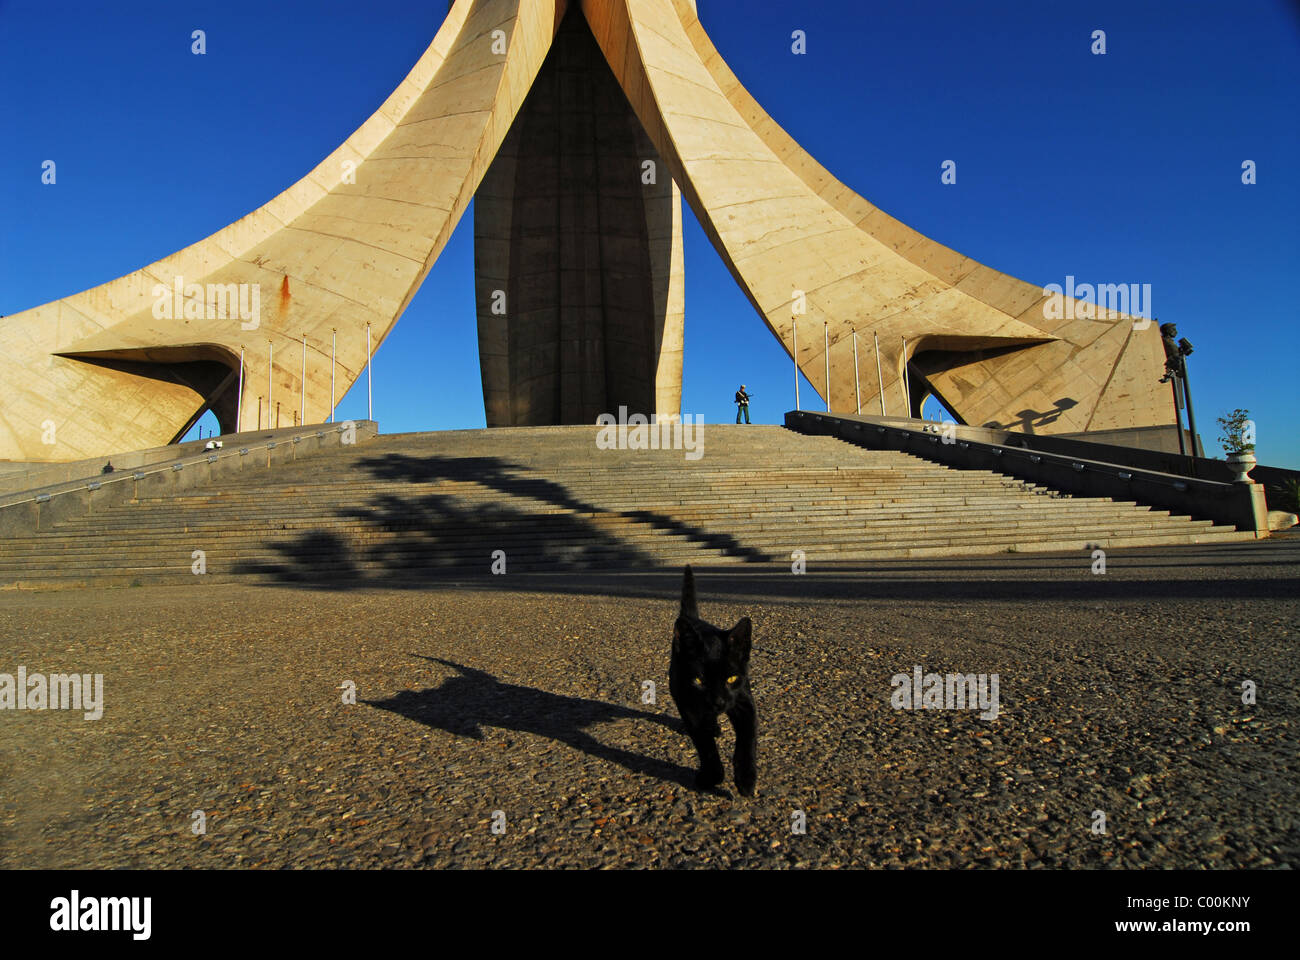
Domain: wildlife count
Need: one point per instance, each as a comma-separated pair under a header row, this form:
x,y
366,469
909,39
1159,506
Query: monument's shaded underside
x,y
574,125
577,253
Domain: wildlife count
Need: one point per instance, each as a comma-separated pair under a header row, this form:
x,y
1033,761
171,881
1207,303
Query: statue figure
x,y
1173,356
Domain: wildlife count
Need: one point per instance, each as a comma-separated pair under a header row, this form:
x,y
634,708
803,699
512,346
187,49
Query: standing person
x,y
742,404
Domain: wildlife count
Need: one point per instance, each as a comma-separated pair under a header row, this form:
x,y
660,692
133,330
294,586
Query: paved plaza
x,y
500,722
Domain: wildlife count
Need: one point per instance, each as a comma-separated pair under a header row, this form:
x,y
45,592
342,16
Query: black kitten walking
x,y
708,676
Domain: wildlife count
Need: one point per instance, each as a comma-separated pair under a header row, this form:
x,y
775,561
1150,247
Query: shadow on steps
x,y
429,535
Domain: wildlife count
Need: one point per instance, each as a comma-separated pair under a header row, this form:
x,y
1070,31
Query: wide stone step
x,y
901,522
849,511
381,572
649,543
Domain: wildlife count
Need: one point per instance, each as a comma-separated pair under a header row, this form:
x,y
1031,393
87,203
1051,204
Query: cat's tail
x,y
689,608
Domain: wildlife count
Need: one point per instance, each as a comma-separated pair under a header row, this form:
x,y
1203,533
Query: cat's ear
x,y
740,637
681,632
689,608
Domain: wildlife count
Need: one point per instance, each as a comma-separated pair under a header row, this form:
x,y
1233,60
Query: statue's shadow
x,y
464,704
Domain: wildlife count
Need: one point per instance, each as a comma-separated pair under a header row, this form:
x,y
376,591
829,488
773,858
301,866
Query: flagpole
x,y
302,402
907,383
239,402
857,384
794,336
879,376
826,350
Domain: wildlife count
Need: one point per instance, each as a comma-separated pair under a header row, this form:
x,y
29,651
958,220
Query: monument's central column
x,y
577,250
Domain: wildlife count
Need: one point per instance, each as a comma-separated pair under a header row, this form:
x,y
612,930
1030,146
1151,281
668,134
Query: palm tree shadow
x,y
464,704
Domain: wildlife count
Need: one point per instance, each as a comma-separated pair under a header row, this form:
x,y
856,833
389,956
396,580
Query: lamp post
x,y
1185,348
1178,418
1176,354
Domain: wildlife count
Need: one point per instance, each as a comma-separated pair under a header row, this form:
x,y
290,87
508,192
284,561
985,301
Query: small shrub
x,y
1284,496
1238,432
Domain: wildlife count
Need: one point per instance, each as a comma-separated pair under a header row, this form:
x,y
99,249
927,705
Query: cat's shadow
x,y
473,699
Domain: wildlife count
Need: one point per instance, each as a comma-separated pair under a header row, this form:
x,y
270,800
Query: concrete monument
x,y
578,126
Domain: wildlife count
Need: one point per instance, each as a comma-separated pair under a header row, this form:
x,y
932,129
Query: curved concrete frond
x,y
346,246
986,342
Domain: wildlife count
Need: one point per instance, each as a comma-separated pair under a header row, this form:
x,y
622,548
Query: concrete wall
x,y
1162,438
40,509
17,476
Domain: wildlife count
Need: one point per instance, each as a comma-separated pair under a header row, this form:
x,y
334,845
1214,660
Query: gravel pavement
x,y
501,722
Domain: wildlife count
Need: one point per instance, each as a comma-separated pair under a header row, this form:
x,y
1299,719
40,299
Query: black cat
x,y
708,676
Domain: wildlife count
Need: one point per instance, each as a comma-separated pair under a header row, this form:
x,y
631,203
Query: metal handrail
x,y
1181,484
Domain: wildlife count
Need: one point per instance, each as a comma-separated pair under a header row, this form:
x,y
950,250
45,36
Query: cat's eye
x,y
699,681
732,679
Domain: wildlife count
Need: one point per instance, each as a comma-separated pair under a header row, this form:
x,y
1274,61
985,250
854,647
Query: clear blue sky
x,y
1117,168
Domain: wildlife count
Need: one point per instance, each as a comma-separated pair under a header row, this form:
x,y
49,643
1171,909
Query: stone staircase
x,y
401,506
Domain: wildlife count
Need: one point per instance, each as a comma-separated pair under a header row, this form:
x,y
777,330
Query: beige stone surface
x,y
329,254
1282,520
